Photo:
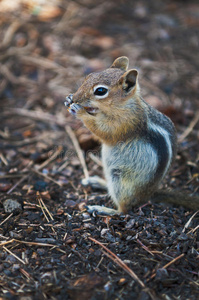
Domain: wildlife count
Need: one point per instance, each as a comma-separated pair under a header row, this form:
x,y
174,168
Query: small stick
x,y
10,32
189,221
114,257
189,128
11,176
4,134
173,261
47,177
54,156
17,183
63,166
3,159
6,219
194,229
23,262
95,159
4,237
144,247
25,273
120,263
39,200
168,264
21,180
78,150
44,205
27,243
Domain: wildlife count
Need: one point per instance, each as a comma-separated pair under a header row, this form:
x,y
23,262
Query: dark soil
x,y
51,248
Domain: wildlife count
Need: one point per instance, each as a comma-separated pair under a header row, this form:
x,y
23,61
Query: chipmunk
x,y
138,142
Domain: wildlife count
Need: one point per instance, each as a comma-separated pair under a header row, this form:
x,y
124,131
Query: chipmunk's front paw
x,y
95,182
102,211
74,108
69,100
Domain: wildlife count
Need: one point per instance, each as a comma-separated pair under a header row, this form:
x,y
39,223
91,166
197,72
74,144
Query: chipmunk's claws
x,y
74,108
69,100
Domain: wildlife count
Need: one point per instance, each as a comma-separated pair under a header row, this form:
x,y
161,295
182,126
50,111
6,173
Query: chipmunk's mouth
x,y
91,110
74,107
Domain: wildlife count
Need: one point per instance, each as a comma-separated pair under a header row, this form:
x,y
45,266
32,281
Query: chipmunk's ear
x,y
129,80
121,63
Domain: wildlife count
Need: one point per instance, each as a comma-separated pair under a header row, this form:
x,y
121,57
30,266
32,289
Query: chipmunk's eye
x,y
100,91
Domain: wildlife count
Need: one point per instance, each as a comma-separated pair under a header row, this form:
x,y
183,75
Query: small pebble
x,y
11,205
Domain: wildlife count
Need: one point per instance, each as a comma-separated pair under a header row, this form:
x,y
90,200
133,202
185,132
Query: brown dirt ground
x,y
50,248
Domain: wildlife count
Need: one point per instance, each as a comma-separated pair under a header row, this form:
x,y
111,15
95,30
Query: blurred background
x,y
48,47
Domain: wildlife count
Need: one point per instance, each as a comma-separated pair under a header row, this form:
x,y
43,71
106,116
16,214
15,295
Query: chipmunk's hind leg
x,y
100,184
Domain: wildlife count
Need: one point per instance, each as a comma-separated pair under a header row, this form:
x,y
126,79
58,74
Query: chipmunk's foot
x,y
95,182
102,211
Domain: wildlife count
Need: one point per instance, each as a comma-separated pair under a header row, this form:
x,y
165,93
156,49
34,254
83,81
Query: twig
x,y
27,243
10,32
118,261
5,134
47,177
44,205
144,247
185,276
194,229
6,219
189,221
168,264
25,273
10,176
3,159
39,200
189,128
23,262
4,237
20,180
78,150
51,158
63,166
17,183
95,159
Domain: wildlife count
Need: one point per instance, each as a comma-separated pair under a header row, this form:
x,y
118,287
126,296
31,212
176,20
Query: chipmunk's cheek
x,y
75,109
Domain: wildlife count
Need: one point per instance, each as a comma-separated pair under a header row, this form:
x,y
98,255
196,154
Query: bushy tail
x,y
178,198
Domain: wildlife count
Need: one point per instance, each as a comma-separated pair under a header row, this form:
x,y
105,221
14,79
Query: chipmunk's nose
x,y
69,100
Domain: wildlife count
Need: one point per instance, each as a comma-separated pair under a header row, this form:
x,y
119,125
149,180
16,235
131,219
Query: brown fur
x,y
121,114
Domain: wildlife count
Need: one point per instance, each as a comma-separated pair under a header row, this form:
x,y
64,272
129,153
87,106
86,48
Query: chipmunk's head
x,y
107,92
